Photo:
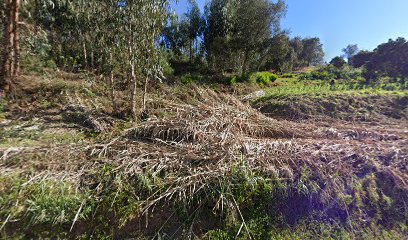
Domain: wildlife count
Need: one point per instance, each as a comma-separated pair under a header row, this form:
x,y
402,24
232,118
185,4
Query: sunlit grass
x,y
293,87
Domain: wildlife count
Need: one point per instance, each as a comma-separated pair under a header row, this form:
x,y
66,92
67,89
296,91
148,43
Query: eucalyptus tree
x,y
218,14
10,52
350,51
175,35
195,25
125,37
141,23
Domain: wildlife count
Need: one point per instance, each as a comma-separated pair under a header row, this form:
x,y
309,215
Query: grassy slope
x,y
295,99
203,165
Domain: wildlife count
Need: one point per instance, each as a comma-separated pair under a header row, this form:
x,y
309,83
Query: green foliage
x,y
44,209
262,78
192,78
34,64
2,108
218,235
388,59
332,72
316,75
233,80
289,75
69,63
239,32
338,62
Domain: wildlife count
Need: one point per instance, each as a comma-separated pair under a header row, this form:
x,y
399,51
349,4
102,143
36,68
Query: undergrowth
x,y
244,204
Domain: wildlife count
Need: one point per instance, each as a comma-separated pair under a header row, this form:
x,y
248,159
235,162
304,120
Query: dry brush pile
x,y
203,165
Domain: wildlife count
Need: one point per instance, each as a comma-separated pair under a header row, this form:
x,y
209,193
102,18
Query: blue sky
x,y
341,22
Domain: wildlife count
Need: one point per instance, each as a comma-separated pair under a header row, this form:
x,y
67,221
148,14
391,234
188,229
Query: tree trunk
x,y
245,62
16,37
134,91
112,84
5,68
133,81
85,52
191,51
92,60
145,93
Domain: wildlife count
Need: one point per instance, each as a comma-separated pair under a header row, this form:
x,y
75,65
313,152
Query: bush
x,y
310,76
233,80
316,75
191,78
289,75
262,78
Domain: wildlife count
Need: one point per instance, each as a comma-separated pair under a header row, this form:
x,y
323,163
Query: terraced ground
x,y
203,164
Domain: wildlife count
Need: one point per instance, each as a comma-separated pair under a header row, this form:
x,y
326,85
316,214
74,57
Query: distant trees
x,y
195,26
182,35
241,29
239,36
350,51
288,54
119,39
253,23
361,58
388,59
338,62
312,52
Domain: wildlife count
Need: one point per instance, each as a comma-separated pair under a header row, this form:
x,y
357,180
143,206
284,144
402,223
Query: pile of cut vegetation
x,y
210,168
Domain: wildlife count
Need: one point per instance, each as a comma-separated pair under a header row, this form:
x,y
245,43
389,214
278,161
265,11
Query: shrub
x,y
262,78
391,87
316,75
50,64
289,75
189,78
233,80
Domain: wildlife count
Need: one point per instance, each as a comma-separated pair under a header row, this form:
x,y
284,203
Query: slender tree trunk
x,y
112,84
245,62
92,60
133,81
145,93
16,37
85,52
191,51
134,91
5,68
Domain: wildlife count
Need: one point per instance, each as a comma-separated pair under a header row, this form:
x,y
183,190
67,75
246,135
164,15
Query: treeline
x,y
387,60
132,42
238,36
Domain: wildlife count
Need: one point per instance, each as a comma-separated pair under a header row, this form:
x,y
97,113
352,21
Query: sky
x,y
338,23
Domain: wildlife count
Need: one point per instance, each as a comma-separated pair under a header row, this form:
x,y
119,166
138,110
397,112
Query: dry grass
x,y
192,142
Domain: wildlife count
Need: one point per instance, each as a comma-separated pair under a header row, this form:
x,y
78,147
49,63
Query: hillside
x,y
202,164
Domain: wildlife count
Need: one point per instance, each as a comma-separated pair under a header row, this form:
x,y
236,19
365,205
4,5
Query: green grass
x,y
293,87
29,134
244,203
39,209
